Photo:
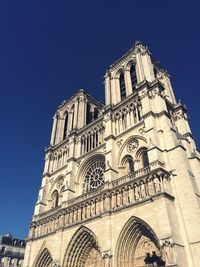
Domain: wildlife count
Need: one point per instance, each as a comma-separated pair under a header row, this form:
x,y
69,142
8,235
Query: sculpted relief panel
x,y
94,259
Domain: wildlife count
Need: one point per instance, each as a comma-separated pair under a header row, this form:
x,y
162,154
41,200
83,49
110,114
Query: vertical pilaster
x,y
115,90
108,97
76,114
128,82
53,133
82,111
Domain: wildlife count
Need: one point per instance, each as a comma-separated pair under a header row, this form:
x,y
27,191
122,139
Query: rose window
x,y
94,177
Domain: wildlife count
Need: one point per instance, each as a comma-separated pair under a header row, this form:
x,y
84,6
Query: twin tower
x,y
121,180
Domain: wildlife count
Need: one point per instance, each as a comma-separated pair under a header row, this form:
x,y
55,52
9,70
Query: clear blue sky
x,y
49,49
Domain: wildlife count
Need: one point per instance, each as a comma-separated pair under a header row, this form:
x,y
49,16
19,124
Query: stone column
x,y
54,128
81,111
108,95
128,82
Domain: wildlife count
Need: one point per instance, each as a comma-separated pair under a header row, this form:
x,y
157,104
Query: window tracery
x,y
59,158
94,177
127,116
92,138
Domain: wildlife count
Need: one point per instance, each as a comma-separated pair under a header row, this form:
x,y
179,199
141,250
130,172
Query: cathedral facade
x,y
121,180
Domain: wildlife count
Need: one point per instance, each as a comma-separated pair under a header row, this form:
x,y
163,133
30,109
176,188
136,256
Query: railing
x,y
153,165
129,190
12,254
109,185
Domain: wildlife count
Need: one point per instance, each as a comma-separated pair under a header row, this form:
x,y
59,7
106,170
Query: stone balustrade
x,y
125,191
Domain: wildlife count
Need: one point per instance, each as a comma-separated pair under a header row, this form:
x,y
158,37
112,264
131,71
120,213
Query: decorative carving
x,y
78,163
123,192
180,114
51,180
106,254
142,130
168,251
143,93
60,183
94,259
141,49
120,143
55,264
132,145
108,117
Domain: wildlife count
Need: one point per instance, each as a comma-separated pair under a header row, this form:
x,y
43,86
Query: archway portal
x,y
135,241
83,250
45,259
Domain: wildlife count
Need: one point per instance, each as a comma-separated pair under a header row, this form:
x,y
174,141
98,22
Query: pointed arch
x,y
135,240
142,157
133,76
128,163
140,139
44,259
81,248
55,199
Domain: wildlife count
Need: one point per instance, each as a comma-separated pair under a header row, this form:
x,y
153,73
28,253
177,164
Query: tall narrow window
x,y
122,86
130,165
72,118
89,114
133,77
65,126
55,199
145,159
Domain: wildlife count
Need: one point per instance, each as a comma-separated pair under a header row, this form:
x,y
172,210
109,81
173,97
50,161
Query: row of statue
x,y
104,202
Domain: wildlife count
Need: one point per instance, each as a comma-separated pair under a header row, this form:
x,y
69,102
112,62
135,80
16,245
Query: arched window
x,y
55,199
145,159
133,77
122,86
65,126
89,114
130,165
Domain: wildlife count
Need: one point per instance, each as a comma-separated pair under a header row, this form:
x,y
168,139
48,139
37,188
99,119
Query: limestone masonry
x,y
121,181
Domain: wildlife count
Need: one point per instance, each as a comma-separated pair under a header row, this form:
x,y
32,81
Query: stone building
x,y
11,251
121,180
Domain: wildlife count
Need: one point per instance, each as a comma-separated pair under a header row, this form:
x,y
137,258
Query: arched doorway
x,y
83,250
135,241
44,259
